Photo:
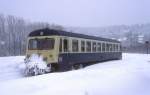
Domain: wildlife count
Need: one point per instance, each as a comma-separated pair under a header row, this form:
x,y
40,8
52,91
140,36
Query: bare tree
x,y
2,35
14,32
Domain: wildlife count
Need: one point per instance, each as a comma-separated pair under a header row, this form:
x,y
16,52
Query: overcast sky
x,y
83,13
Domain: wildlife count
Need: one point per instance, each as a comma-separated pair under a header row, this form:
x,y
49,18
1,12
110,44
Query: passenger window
x,y
113,48
110,47
88,46
103,47
75,46
60,46
107,47
82,46
94,47
120,47
117,48
66,45
99,47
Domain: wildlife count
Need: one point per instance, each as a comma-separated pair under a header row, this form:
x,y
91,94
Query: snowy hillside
x,y
130,76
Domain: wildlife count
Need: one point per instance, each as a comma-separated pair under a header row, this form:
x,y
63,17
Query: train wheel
x,y
53,69
77,66
80,66
41,71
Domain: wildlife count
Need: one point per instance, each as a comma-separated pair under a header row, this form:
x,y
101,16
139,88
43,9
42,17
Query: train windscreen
x,y
41,44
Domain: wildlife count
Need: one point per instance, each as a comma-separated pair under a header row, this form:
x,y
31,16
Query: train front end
x,y
41,53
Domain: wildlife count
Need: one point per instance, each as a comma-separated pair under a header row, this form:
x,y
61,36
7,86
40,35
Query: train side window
x,y
60,46
103,47
94,47
99,47
75,46
120,47
116,47
113,47
88,46
66,45
110,47
107,47
82,46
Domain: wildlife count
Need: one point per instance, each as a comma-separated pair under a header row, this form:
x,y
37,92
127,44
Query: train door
x,y
65,45
64,50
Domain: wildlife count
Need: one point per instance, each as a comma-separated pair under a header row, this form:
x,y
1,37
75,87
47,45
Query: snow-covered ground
x,y
130,76
11,68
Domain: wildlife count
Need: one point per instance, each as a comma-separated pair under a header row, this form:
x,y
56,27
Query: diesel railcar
x,y
63,50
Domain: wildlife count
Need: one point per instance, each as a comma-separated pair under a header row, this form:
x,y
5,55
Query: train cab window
x,y
47,43
60,46
66,45
33,44
88,46
99,47
103,47
41,44
82,46
75,46
94,46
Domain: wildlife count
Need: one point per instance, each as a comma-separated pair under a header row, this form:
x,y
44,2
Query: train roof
x,y
50,32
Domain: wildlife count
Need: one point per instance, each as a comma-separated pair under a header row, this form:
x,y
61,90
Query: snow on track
x,y
130,76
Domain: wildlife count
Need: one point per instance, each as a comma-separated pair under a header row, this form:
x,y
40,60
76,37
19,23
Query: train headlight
x,y
45,58
51,56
